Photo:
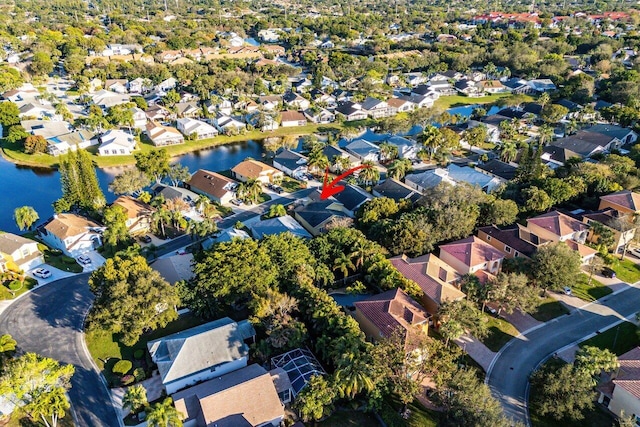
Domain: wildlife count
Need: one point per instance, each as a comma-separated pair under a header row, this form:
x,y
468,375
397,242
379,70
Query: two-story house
x,y
138,214
18,253
252,169
217,187
72,234
472,256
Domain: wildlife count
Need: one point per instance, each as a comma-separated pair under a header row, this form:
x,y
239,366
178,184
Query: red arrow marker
x,y
329,189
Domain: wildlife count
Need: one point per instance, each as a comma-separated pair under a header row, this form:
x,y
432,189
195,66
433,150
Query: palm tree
x,y
369,175
50,406
202,203
544,99
25,217
253,188
399,168
353,376
545,134
508,151
341,163
388,151
344,264
359,252
159,218
430,139
164,414
317,162
135,398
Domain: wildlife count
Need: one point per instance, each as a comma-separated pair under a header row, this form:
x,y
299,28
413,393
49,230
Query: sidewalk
x,y
476,350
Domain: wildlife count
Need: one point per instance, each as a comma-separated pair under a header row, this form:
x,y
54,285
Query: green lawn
x,y
7,293
447,102
500,332
58,260
624,336
420,416
346,418
548,309
626,270
19,419
291,185
592,292
596,417
104,345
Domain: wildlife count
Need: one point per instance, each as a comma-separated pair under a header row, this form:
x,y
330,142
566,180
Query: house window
x,y
488,238
507,249
516,254
442,274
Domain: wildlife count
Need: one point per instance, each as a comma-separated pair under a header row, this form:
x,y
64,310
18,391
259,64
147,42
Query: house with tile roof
x,y
319,216
217,187
472,256
436,279
611,219
72,234
138,214
507,240
18,253
246,397
384,314
282,224
290,118
332,152
622,393
161,135
252,169
625,202
201,353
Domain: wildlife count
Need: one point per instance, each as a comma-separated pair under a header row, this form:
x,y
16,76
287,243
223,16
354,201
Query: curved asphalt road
x,y
49,321
508,376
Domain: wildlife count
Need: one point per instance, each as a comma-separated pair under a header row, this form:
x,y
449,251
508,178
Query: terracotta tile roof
x,y
510,236
252,168
583,250
246,397
211,183
626,198
134,208
558,223
416,270
394,309
629,374
472,251
68,225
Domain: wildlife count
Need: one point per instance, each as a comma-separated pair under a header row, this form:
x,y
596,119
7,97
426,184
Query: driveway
x,y
508,375
49,321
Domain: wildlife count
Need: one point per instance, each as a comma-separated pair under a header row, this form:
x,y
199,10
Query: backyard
x,y
106,349
349,418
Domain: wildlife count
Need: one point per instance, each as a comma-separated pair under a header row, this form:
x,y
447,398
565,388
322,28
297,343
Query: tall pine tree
x,y
80,188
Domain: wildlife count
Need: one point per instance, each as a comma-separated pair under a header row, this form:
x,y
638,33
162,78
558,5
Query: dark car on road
x,y
607,272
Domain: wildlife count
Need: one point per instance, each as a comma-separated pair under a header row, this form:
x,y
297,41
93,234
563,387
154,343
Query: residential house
x,y
586,144
319,216
228,124
139,118
245,397
621,135
439,88
263,120
469,88
196,129
436,279
116,85
333,152
497,169
37,110
167,85
138,214
507,240
415,79
161,135
555,157
106,99
18,253
221,105
70,141
621,395
292,163
188,109
270,102
140,85
453,175
116,142
395,190
393,311
201,353
623,234
401,105
72,234
295,101
24,93
427,179
170,192
407,149
542,85
493,86
46,128
252,169
420,101
517,86
351,111
217,187
363,150
626,202
278,225
472,256
319,116
351,197
290,118
376,108
157,113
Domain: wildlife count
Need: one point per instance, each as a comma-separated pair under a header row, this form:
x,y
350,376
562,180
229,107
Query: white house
x,y
140,85
292,163
167,85
201,130
226,124
201,353
319,115
116,142
292,118
139,118
163,135
72,234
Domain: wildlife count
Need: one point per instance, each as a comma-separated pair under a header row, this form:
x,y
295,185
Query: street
x,y
508,377
49,321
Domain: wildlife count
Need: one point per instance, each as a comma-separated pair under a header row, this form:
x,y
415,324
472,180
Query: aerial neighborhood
x,y
319,214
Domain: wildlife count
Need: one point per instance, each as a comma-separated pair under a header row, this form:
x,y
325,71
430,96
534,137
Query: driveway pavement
x,y
476,350
509,372
49,321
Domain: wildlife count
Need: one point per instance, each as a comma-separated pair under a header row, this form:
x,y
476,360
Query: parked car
x,y
607,272
635,252
278,189
145,239
42,273
181,252
566,290
236,202
84,260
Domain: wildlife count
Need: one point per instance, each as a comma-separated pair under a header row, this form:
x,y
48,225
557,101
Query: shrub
x,y
122,367
128,379
139,375
138,354
68,260
15,285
